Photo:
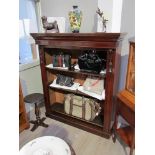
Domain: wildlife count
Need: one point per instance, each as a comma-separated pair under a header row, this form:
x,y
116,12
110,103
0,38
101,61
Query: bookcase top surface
x,y
78,40
100,35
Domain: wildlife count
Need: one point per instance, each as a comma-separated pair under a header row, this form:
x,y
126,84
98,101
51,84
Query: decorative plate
x,y
46,145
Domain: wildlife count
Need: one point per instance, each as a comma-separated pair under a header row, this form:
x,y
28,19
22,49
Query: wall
x,y
116,15
107,7
127,25
30,78
60,8
91,21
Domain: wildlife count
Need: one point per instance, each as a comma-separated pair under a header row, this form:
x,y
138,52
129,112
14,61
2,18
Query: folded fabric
x,y
94,85
100,97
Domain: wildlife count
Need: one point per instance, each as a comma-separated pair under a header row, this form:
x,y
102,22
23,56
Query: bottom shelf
x,y
96,126
58,107
126,134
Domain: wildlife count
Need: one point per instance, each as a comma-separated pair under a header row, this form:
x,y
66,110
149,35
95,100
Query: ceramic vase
x,y
75,18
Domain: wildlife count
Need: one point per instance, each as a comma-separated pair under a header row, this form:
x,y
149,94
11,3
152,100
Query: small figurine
x,y
51,26
104,21
72,66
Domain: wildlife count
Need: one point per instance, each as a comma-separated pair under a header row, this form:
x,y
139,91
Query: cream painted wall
x,y
128,26
111,8
128,23
60,8
107,7
30,78
116,15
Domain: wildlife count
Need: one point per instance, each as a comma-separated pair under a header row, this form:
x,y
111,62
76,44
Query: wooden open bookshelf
x,y
107,45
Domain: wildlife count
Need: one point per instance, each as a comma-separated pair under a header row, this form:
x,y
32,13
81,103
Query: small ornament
x,y
104,21
50,26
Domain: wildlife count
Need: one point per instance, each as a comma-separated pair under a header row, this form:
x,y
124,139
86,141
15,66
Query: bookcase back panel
x,y
48,58
50,77
56,97
52,97
59,97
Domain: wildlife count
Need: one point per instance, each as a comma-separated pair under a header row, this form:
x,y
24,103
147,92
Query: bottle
x,y
75,18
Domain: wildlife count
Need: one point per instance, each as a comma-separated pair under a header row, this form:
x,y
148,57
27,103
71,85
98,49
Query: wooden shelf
x,y
59,107
101,75
126,134
77,92
107,45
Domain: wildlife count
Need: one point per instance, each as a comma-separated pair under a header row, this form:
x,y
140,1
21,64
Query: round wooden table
x,y
47,145
36,99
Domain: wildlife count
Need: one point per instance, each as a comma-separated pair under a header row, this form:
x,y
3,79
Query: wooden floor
x,y
83,143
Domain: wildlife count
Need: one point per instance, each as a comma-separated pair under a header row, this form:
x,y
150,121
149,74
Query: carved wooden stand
x,y
35,99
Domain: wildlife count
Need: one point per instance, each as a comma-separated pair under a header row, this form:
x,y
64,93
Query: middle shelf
x,y
93,81
77,92
52,69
